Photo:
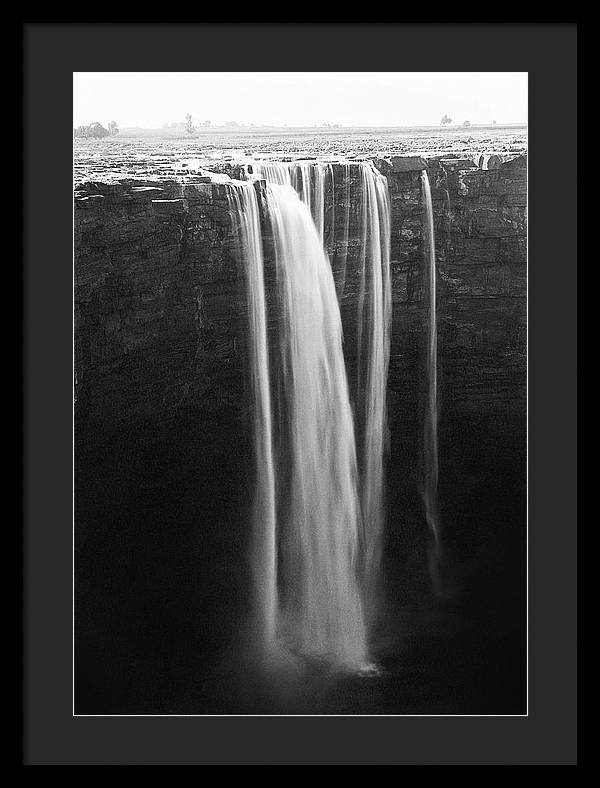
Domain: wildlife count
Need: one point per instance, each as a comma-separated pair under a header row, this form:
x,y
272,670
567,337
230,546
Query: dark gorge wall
x,y
163,461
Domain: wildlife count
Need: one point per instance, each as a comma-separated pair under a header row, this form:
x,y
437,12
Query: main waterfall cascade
x,y
319,506
319,509
309,179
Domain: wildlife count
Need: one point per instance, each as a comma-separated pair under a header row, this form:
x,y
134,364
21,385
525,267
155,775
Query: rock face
x,y
156,301
160,304
163,479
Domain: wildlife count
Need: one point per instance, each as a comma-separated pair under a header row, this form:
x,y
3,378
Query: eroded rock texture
x,y
160,302
156,301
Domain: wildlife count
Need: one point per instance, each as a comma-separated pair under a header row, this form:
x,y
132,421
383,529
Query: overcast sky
x,y
149,99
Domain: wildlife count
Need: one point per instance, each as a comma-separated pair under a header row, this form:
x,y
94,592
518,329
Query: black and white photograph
x,y
300,393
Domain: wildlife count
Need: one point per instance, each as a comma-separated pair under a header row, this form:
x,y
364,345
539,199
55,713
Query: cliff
x,y
159,295
163,471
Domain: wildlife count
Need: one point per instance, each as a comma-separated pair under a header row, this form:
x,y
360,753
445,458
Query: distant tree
x,y
93,131
113,128
445,121
467,123
189,126
206,123
493,123
231,123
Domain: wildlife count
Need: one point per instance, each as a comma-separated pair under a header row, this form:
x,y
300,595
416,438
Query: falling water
x,y
430,491
320,514
343,242
307,178
373,328
243,205
374,315
307,511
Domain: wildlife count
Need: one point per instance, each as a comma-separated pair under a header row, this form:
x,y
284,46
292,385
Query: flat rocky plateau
x,y
154,156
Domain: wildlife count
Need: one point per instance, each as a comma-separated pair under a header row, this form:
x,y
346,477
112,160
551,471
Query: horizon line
x,y
226,125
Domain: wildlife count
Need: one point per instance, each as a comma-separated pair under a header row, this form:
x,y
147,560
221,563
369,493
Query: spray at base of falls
x,y
320,511
431,469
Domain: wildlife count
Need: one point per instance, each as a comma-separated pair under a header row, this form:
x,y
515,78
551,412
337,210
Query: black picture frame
x,y
52,735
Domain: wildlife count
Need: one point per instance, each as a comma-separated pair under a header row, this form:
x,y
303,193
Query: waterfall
x,y
373,328
430,486
243,206
306,513
319,509
374,316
